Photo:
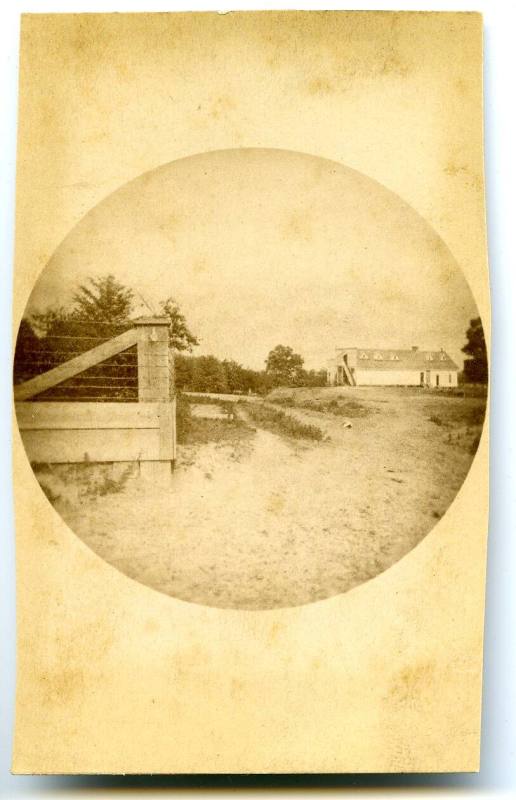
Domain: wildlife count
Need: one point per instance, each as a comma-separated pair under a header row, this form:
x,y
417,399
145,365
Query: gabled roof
x,y
380,359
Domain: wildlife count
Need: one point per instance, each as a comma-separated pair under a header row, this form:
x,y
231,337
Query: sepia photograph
x,y
250,366
251,378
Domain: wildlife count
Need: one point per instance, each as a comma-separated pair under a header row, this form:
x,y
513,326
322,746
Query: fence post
x,y
153,359
154,386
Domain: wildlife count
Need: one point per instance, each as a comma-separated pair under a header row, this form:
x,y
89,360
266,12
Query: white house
x,y
355,366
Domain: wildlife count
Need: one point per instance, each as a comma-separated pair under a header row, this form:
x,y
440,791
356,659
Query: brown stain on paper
x,y
409,685
61,686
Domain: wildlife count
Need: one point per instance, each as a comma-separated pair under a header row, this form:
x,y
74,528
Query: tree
x,y
27,355
101,308
180,336
103,299
475,366
314,377
284,367
208,375
183,372
235,376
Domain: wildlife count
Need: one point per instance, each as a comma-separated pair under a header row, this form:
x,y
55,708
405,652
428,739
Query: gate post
x,y
153,359
154,386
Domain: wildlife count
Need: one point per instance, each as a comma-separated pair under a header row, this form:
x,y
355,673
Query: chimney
x,y
414,348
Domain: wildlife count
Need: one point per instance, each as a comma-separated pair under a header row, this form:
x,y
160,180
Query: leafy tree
x,y
44,322
107,301
101,308
209,375
475,365
314,377
235,376
180,336
183,372
103,299
264,383
284,367
27,355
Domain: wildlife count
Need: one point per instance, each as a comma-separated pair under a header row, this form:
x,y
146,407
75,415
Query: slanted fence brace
x,y
72,432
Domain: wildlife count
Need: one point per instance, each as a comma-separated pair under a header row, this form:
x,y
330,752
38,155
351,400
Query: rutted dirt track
x,y
266,521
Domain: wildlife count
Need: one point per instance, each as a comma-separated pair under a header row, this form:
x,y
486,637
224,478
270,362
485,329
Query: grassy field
x,y
261,514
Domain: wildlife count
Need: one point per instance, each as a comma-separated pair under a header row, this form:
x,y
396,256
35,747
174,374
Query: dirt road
x,y
268,521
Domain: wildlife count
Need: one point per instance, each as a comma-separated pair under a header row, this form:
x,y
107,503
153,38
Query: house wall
x,y
352,358
387,377
331,375
371,377
447,379
401,377
332,370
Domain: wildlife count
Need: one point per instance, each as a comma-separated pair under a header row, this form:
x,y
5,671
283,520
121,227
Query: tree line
x,y
211,374
102,307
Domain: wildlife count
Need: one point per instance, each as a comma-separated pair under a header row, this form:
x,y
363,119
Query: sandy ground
x,y
264,521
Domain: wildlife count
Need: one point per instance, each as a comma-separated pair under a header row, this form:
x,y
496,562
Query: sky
x,y
263,247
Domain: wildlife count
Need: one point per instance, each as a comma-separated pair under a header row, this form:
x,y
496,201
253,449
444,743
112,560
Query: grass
x,y
108,484
340,407
202,399
197,430
203,431
277,421
457,414
346,408
469,390
460,422
475,415
84,481
470,414
183,418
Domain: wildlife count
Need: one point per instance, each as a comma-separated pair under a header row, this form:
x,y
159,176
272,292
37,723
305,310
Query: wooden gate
x,y
142,431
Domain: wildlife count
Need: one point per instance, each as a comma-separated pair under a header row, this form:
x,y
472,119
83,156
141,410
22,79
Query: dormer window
x,y
394,357
364,356
443,357
378,357
429,357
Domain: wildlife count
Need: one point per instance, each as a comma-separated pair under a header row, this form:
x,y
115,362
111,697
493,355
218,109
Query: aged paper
x,y
251,305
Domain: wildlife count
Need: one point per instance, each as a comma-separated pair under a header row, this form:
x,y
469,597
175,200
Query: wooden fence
x,y
93,431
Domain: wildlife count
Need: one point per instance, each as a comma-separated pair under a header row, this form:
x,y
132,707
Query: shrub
x,y
72,483
336,406
278,421
110,485
183,417
348,408
283,400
